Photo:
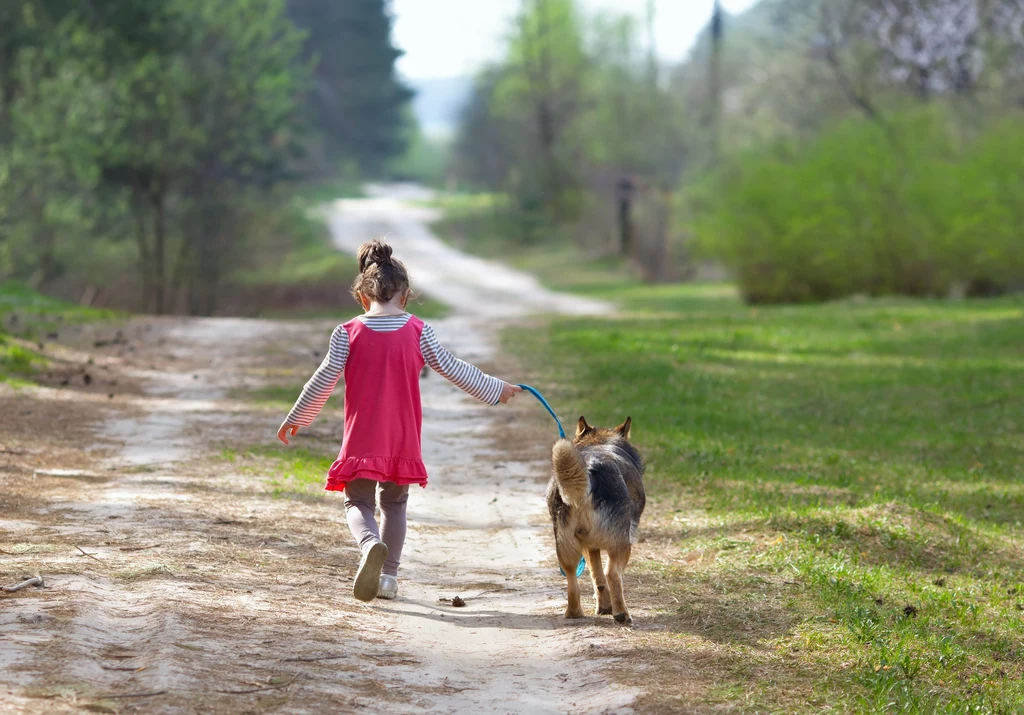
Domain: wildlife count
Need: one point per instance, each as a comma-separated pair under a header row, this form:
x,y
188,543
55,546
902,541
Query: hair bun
x,y
374,252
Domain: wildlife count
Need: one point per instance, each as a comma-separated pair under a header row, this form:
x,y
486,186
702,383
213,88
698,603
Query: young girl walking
x,y
381,354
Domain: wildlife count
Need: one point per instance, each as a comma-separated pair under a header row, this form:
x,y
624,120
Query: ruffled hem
x,y
380,469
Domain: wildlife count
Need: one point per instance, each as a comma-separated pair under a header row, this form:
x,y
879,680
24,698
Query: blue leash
x,y
535,393
561,433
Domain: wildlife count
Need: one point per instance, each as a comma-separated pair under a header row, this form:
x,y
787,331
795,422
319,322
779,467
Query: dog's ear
x,y
582,427
623,429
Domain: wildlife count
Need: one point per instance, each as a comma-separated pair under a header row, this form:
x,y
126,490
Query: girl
x,y
381,354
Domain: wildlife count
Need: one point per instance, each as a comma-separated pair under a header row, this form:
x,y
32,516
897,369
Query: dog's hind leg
x,y
569,562
617,560
602,599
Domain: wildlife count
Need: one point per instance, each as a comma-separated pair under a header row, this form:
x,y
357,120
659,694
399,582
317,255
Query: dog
x,y
595,498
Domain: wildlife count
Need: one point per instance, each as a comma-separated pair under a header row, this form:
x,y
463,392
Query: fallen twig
x,y
128,668
139,548
131,695
282,686
313,659
89,555
36,580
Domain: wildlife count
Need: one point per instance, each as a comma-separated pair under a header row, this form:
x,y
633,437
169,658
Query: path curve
x,y
471,286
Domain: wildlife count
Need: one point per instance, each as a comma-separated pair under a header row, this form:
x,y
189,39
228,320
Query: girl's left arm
x,y
319,388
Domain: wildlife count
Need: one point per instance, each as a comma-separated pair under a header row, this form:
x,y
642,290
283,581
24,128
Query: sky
x,y
452,38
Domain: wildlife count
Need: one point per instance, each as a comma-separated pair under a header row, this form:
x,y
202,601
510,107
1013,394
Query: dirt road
x,y
185,574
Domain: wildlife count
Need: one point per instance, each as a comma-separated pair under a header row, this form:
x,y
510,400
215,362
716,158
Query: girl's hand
x,y
286,428
508,392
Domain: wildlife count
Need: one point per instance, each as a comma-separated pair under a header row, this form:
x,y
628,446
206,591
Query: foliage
x,y
27,313
151,134
814,471
906,208
425,160
575,111
358,105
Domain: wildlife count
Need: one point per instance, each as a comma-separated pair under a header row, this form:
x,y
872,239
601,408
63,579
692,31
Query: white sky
x,y
448,38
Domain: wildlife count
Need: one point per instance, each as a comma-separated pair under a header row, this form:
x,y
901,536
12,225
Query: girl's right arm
x,y
469,378
319,388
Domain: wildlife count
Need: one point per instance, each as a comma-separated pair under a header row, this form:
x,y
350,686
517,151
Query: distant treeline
x,y
152,134
816,147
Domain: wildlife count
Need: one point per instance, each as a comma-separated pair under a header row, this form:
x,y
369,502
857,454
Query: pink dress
x,y
383,415
381,358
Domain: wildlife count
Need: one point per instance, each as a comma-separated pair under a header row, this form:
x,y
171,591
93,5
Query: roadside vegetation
x,y
836,512
29,319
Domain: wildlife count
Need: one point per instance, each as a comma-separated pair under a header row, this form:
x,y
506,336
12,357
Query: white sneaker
x,y
388,586
367,577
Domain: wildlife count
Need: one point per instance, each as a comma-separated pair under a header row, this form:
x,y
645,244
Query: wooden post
x,y
624,191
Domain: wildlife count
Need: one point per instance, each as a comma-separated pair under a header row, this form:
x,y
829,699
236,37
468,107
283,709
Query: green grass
x,y
307,263
332,190
293,472
31,316
832,466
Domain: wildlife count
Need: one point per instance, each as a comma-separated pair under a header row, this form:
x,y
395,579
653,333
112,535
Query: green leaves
x,y
864,209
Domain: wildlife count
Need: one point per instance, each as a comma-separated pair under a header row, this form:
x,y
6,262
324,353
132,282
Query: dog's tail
x,y
570,473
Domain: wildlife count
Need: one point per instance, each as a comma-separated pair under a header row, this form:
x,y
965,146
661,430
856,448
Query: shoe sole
x,y
368,577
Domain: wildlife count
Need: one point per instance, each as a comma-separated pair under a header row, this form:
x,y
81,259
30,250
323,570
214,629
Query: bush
x,y
906,208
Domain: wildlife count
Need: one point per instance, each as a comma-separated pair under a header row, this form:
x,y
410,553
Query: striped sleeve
x,y
321,385
465,376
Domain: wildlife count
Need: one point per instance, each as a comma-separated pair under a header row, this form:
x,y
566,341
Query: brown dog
x,y
595,498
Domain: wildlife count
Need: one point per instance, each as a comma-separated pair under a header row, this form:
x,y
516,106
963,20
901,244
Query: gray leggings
x,y
359,509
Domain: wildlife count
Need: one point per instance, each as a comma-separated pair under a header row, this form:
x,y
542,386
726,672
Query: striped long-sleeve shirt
x,y
465,376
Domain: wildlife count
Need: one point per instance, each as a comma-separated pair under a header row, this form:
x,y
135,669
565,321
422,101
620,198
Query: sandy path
x,y
206,589
477,529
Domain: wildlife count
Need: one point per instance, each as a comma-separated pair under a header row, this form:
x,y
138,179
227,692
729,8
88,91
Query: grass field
x,y
838,493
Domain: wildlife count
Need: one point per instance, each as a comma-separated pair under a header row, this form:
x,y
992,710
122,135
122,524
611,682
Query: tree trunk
x,y
159,247
139,208
624,193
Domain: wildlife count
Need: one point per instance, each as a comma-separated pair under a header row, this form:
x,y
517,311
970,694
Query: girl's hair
x,y
380,276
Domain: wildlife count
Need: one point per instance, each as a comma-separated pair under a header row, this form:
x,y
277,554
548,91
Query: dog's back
x,y
598,487
616,488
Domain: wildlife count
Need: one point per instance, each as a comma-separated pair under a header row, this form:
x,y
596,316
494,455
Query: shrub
x,y
906,208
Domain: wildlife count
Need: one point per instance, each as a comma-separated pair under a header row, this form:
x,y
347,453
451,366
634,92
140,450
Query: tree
x,y
203,124
171,125
357,104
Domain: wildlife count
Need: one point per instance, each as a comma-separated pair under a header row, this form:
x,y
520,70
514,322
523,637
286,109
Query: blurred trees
x,y
815,147
158,129
357,104
574,112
